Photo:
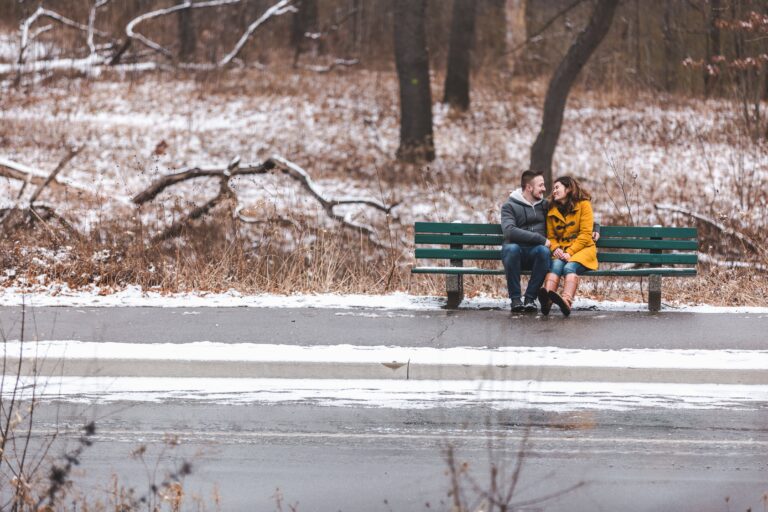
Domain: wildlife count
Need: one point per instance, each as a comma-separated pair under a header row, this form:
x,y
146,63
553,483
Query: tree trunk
x,y
713,44
516,31
412,59
304,21
562,81
459,54
670,62
187,35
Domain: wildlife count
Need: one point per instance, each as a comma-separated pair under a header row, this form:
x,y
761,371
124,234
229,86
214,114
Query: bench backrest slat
x,y
647,232
637,243
455,227
459,239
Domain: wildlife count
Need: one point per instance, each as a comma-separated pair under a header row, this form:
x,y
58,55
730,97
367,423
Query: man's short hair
x,y
527,177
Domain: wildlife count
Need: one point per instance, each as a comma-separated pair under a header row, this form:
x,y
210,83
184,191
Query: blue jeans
x,y
525,257
561,268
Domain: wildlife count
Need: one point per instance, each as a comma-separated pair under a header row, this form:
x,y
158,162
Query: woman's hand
x,y
561,254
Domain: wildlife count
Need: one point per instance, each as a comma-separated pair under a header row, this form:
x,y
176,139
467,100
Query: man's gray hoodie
x,y
522,222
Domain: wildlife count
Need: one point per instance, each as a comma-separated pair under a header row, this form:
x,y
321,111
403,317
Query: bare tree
x,y
187,34
412,59
713,43
459,54
304,27
561,82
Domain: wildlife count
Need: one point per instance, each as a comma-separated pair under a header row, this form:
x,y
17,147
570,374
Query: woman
x,y
569,230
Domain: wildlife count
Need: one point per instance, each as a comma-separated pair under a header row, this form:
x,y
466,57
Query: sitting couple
x,y
554,238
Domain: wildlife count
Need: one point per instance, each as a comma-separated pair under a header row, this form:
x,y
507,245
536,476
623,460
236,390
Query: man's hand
x,y
558,253
596,236
547,244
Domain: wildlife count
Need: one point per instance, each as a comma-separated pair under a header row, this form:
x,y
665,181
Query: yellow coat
x,y
573,234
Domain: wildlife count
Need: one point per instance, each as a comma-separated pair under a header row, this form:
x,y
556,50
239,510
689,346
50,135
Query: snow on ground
x,y
346,354
133,296
345,132
548,396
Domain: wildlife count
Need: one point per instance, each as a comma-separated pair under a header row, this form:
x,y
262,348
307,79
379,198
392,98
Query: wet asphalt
x,y
446,328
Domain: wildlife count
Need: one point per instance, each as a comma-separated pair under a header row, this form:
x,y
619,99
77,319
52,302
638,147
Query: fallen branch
x,y
711,260
72,153
197,172
286,167
175,229
338,63
30,176
754,246
26,39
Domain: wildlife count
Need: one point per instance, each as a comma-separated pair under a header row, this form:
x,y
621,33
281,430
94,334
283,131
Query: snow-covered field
x,y
344,130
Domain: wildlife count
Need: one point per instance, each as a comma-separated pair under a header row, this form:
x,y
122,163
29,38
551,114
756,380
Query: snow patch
x,y
58,294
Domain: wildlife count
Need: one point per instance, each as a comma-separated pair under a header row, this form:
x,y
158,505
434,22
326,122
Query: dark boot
x,y
551,281
565,301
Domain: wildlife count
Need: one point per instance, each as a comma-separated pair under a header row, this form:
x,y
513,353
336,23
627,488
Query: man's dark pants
x,y
535,258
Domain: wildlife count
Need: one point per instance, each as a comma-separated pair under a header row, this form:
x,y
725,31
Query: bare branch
x,y
535,36
281,7
754,246
16,171
47,13
92,23
281,219
72,153
196,172
287,167
175,229
338,63
711,260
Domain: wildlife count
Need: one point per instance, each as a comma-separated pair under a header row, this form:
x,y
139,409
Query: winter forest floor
x,y
634,151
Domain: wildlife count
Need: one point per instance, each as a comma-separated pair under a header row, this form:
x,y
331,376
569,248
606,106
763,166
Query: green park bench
x,y
630,251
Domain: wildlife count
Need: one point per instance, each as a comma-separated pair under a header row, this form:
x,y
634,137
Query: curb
x,y
93,367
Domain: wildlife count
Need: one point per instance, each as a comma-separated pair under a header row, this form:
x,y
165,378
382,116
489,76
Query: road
x,y
584,329
329,451
331,458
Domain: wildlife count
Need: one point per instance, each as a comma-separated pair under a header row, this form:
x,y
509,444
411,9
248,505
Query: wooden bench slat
x,y
634,243
647,232
603,257
460,239
458,254
455,227
660,259
636,272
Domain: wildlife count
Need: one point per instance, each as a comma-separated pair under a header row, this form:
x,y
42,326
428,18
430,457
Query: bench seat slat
x,y
604,257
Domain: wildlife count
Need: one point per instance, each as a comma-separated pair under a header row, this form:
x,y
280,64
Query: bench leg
x,y
454,287
654,293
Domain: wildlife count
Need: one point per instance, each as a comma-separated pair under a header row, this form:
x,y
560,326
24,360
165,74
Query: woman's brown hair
x,y
575,194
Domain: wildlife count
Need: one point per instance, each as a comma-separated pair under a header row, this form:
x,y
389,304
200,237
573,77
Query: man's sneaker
x,y
529,306
517,305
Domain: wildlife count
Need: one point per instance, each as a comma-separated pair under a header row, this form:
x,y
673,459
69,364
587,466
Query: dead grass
x,y
344,131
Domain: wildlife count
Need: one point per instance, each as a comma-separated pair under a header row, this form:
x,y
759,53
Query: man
x,y
524,223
